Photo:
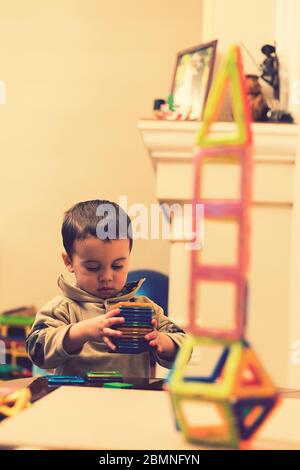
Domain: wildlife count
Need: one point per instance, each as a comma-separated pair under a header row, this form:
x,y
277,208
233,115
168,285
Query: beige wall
x,y
253,23
79,74
235,21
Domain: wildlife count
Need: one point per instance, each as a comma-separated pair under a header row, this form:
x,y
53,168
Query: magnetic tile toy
x,y
237,393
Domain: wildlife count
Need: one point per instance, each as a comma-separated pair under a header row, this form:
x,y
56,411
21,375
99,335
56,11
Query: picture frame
x,y
192,80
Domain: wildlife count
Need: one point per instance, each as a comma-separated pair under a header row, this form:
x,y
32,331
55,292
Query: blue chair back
x,y
156,286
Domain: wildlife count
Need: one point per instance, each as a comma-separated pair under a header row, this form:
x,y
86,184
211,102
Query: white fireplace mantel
x,y
170,146
272,321
175,139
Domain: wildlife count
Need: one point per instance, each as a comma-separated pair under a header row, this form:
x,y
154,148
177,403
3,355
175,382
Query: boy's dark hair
x,y
103,219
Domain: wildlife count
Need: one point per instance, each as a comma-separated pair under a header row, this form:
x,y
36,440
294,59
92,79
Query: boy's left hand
x,y
155,337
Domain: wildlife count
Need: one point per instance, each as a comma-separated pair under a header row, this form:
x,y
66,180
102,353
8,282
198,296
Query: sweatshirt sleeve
x,y
166,326
44,343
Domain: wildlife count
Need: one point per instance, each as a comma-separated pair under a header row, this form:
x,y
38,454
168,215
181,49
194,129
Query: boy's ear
x,y
68,262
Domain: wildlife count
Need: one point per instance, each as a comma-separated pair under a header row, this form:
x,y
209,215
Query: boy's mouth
x,y
106,290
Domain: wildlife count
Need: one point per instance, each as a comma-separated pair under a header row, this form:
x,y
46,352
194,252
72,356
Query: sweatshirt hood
x,y
75,293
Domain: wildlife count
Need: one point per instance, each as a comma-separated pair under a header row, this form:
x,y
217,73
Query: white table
x,y
95,418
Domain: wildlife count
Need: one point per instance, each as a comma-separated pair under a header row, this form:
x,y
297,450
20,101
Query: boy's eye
x,y
116,268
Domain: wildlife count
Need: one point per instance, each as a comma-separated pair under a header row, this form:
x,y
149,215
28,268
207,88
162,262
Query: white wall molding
x,y
294,317
288,46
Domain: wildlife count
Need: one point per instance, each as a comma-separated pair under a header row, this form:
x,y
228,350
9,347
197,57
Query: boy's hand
x,y
161,342
101,327
94,329
155,337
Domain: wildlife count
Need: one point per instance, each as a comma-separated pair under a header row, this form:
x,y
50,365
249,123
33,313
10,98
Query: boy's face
x,y
100,267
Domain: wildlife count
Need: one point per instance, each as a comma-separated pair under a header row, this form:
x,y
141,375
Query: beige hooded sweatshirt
x,y
45,342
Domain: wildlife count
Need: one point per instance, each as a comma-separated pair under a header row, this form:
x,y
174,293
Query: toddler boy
x,y
74,332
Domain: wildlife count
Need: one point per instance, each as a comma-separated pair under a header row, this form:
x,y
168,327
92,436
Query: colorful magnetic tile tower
x,y
138,317
238,391
14,327
231,402
233,149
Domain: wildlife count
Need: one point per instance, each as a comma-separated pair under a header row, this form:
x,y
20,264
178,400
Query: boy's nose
x,y
106,276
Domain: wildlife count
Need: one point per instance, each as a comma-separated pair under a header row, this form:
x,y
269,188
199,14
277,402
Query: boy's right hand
x,y
101,327
93,329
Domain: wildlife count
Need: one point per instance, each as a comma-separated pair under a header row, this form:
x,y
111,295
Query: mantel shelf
x,y
174,140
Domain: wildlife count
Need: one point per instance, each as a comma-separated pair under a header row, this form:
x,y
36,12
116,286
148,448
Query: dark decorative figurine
x,y
270,74
270,69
